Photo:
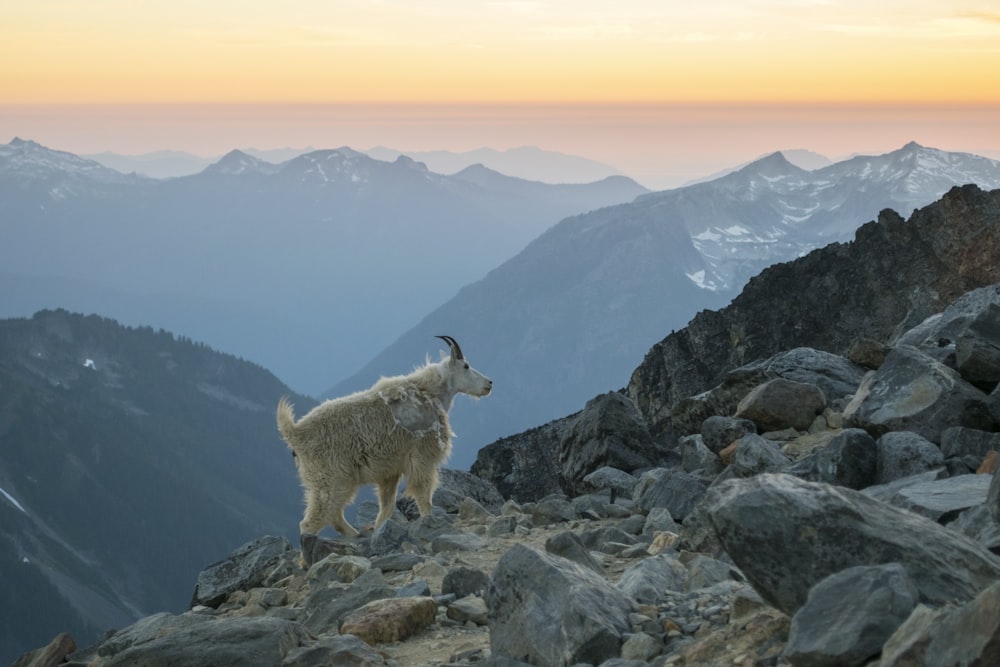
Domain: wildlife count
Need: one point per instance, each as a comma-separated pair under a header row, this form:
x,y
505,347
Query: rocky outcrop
x,y
893,275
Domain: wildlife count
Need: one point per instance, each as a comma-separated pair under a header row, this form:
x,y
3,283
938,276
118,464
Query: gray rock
x,y
755,455
554,509
786,535
569,545
456,485
849,459
147,629
462,580
326,607
338,650
966,635
944,499
608,432
977,523
397,562
695,456
993,498
418,588
968,444
611,479
388,540
659,519
245,568
782,403
457,542
913,392
240,642
977,351
902,454
675,490
649,580
884,491
470,608
718,432
546,610
705,571
867,353
525,467
849,616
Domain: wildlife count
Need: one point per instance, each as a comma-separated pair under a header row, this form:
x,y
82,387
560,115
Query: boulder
x,y
849,459
718,432
241,642
608,432
463,580
696,456
325,608
977,351
457,485
569,546
902,454
754,455
781,403
970,445
651,579
786,535
247,567
525,467
913,392
546,610
673,489
848,616
337,650
943,500
965,635
390,620
612,480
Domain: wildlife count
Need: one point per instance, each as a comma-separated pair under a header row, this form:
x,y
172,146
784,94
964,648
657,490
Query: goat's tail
x,y
286,422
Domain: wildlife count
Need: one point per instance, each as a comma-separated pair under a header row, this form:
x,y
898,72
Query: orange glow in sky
x,y
307,51
158,62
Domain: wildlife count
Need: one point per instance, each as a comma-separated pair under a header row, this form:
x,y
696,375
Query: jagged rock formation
x,y
765,539
891,277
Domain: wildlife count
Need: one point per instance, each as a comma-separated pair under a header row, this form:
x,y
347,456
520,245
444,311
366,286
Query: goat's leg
x,y
421,488
386,500
336,502
313,519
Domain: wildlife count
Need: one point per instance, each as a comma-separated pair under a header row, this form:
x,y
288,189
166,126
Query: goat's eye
x,y
466,366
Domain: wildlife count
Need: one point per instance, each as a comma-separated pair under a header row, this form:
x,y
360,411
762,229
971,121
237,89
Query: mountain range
x,y
309,267
574,312
526,162
130,458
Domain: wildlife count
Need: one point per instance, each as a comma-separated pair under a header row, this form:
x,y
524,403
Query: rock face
x,y
734,541
786,535
546,610
891,277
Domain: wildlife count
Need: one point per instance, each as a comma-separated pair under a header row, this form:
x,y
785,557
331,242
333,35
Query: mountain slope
x,y
129,460
316,262
574,312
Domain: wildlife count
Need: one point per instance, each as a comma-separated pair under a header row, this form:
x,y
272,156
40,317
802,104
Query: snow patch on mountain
x,y
13,500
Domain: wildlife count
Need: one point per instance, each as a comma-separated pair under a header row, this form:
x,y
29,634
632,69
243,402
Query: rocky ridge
x,y
822,521
811,507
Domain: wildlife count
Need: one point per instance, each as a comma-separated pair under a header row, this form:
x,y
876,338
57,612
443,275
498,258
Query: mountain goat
x,y
399,427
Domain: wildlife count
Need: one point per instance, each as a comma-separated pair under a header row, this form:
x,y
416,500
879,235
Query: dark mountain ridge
x,y
129,458
891,277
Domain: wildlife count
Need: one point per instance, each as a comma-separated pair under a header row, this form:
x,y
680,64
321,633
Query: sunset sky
x,y
643,85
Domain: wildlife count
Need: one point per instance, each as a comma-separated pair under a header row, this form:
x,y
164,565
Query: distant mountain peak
x,y
236,162
773,165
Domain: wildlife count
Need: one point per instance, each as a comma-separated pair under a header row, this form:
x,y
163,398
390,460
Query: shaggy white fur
x,y
399,427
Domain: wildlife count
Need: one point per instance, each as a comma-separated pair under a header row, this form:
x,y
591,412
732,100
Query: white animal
x,y
399,427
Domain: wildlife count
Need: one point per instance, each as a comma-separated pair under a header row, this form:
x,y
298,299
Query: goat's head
x,y
463,378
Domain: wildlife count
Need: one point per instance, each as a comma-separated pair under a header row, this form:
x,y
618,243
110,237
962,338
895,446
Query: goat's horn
x,y
453,344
